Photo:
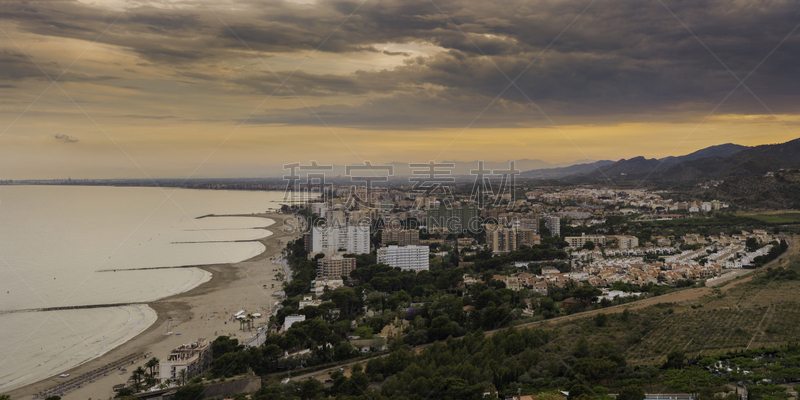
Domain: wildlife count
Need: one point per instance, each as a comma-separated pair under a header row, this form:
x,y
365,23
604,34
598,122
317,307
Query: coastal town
x,y
399,200
553,252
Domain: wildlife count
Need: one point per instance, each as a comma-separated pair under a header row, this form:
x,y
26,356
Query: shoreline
x,y
191,315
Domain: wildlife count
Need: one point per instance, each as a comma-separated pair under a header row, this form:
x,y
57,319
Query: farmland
x,y
762,310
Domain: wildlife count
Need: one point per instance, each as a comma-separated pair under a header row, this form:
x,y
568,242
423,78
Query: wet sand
x,y
203,312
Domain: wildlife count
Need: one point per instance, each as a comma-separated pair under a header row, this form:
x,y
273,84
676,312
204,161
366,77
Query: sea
x,y
67,246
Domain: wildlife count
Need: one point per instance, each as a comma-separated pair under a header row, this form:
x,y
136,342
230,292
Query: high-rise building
x,y
350,238
527,237
456,219
526,223
401,237
336,266
553,224
509,239
414,258
504,240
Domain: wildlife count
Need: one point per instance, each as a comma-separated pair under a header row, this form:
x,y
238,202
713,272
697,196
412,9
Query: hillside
x,y
724,162
557,173
779,192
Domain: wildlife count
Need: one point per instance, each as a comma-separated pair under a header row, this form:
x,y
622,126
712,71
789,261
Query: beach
x,y
203,312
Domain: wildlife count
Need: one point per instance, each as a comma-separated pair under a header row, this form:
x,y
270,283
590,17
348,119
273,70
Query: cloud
x,y
147,116
622,63
66,138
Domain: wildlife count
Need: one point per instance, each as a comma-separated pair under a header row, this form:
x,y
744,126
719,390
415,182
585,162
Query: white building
x,y
351,239
415,258
194,358
291,319
553,224
626,242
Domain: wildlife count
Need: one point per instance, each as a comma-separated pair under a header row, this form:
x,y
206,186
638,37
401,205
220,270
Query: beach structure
x,y
194,358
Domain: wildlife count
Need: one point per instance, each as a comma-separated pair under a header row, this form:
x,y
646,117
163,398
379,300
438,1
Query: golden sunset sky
x,y
176,89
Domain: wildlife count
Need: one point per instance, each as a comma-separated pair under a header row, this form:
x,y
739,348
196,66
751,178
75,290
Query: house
x,y
540,287
550,271
570,302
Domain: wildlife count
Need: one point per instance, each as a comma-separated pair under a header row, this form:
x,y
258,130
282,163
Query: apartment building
x,y
414,258
579,241
194,358
626,242
403,237
352,239
553,224
335,266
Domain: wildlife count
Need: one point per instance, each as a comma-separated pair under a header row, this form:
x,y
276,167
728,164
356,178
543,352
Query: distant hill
x,y
726,161
722,150
557,173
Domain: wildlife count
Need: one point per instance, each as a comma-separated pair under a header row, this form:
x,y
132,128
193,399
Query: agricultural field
x,y
698,333
782,217
761,310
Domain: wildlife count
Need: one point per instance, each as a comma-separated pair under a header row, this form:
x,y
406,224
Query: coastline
x,y
202,311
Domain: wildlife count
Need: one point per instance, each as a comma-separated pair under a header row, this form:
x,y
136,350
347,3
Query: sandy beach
x,y
203,312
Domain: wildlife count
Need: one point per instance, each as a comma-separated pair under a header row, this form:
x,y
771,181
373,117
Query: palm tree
x,y
182,375
137,376
250,319
152,364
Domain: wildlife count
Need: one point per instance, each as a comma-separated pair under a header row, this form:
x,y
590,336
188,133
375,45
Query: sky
x,y
238,88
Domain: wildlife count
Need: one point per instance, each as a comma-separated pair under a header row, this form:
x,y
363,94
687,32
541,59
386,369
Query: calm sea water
x,y
72,245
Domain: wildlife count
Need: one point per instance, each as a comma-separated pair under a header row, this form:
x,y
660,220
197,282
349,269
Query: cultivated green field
x,y
777,218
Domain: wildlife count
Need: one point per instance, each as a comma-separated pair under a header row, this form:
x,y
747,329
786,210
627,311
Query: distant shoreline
x,y
184,311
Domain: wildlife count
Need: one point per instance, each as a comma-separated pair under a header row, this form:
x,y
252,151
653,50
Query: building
x,y
579,241
414,258
194,358
403,237
291,319
527,237
553,224
626,242
526,223
335,266
352,239
505,239
307,241
456,219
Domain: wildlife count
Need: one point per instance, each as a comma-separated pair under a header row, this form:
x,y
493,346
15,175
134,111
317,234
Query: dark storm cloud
x,y
625,58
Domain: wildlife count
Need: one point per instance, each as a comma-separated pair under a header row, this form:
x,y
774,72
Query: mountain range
x,y
725,161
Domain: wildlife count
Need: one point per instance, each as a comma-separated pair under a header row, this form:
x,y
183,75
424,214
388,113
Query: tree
x,y
191,392
625,315
675,359
751,243
631,393
587,292
151,365
182,376
601,320
441,328
137,377
589,245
